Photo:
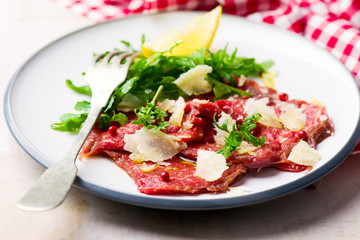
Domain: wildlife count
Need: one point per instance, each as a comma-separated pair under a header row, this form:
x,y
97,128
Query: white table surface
x,y
331,211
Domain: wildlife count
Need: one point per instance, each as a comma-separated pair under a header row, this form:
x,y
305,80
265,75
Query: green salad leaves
x,y
150,117
240,133
146,75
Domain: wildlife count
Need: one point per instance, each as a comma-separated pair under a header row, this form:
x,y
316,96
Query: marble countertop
x,y
329,211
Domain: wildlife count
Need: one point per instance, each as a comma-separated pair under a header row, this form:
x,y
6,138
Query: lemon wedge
x,y
196,34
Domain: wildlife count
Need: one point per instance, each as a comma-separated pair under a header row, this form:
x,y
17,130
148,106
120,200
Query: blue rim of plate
x,y
177,204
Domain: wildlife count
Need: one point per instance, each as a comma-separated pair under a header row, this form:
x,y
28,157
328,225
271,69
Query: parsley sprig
x,y
240,133
150,116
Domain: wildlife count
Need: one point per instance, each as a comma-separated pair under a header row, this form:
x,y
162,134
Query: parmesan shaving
x,y
166,164
166,105
238,191
187,125
176,108
303,154
147,167
246,147
210,165
293,118
193,81
242,80
200,100
220,134
177,112
268,114
151,146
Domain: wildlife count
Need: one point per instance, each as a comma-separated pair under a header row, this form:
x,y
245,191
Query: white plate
x,y
37,96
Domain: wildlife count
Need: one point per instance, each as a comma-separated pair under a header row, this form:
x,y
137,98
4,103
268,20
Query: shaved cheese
x,y
246,147
187,125
151,146
220,134
177,112
166,105
165,164
242,80
238,191
303,154
268,114
210,165
193,81
176,108
200,100
292,117
147,167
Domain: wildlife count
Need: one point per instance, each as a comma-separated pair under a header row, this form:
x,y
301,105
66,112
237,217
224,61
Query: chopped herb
x,y
151,117
240,133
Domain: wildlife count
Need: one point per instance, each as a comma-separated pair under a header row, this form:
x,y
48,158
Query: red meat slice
x,y
200,115
182,177
279,142
99,141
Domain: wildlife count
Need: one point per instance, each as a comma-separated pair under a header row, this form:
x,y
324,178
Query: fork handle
x,y
53,185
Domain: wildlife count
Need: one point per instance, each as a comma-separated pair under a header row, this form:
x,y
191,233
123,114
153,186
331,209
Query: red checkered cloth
x,y
332,24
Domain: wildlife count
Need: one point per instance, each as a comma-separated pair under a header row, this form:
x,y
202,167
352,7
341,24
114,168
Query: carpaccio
x,y
178,174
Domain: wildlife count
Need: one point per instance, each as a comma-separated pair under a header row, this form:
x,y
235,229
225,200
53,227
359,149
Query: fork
x,y
53,185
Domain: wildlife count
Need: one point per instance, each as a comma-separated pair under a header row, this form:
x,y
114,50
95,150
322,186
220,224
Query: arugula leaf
x,y
119,94
231,143
267,64
83,106
221,90
226,66
240,133
82,89
70,122
198,57
151,117
248,125
105,119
